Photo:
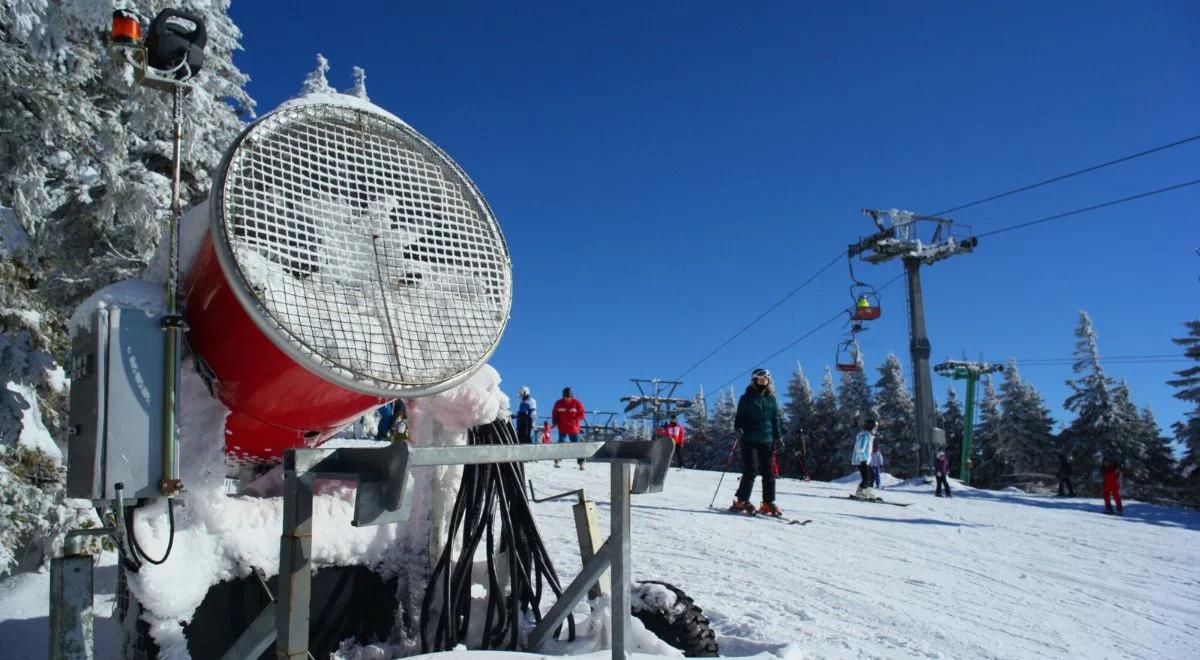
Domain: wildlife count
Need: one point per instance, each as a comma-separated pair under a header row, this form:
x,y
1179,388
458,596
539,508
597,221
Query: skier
x,y
675,432
799,451
526,414
545,433
941,468
1064,476
567,416
876,466
758,421
864,443
1110,470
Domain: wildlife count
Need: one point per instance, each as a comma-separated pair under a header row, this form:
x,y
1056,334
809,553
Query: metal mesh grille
x,y
366,246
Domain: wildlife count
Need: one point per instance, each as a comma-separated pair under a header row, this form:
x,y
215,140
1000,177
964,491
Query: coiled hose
x,y
489,494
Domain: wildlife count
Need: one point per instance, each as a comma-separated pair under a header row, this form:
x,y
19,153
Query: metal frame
x,y
655,400
383,477
898,237
970,372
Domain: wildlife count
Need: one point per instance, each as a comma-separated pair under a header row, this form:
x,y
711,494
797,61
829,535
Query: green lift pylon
x,y
970,372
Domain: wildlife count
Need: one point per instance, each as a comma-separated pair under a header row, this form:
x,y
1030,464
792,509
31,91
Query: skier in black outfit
x,y
1064,476
761,428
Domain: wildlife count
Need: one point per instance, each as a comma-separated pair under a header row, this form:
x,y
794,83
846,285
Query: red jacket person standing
x,y
675,432
567,417
1110,470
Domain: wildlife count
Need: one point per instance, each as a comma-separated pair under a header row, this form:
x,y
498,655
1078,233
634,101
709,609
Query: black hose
x,y
137,548
489,494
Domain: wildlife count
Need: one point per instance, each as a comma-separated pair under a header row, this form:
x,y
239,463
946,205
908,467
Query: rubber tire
x,y
690,632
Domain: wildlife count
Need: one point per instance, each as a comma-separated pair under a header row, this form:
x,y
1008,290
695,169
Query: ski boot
x,y
742,506
769,509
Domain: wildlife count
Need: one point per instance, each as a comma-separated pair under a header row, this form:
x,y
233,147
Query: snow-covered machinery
x,y
347,261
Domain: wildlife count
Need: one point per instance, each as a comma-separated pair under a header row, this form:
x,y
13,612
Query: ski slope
x,y
982,575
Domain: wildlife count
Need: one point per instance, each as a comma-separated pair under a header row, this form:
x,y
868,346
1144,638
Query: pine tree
x,y
1025,439
989,465
359,90
828,442
950,418
1102,425
720,431
854,399
85,166
1187,432
698,442
317,81
1160,460
797,415
894,404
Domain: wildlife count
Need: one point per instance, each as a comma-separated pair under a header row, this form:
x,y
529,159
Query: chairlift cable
x,y
1089,208
1056,179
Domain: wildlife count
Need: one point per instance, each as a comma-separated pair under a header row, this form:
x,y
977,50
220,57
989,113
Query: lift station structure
x,y
899,237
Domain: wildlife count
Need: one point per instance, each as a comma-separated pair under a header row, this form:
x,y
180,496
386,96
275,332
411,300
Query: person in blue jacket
x,y
526,415
864,446
760,427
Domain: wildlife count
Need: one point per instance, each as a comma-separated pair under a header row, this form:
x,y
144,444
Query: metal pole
x,y
622,625
172,322
71,593
968,427
295,564
919,348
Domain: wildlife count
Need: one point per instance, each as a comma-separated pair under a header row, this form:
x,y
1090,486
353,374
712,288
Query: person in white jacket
x,y
864,446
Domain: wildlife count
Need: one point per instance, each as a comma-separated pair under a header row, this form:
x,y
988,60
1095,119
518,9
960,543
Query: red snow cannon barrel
x,y
348,261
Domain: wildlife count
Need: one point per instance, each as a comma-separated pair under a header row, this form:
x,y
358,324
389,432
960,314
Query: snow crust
x,y
149,297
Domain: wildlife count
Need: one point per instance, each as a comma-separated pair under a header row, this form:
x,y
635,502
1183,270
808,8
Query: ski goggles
x,y
760,373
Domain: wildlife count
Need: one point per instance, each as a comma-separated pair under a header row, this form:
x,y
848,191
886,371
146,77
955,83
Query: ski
x,y
781,519
872,501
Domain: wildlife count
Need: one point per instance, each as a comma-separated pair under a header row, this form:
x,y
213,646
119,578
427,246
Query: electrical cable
x,y
1088,208
137,548
491,498
1056,179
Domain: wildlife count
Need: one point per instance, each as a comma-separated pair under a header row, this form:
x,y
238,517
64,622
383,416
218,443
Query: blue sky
x,y
663,172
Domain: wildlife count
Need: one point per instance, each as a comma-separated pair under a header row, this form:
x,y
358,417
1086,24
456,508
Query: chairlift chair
x,y
866,302
847,359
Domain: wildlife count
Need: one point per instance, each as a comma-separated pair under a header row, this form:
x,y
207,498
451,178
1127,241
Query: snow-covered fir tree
x,y
894,405
1025,441
828,441
950,418
854,398
720,432
85,165
1187,432
989,465
359,90
1160,460
797,414
1102,426
695,421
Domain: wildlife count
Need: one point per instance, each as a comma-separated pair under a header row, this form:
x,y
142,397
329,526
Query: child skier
x,y
941,468
545,433
1110,470
877,466
864,445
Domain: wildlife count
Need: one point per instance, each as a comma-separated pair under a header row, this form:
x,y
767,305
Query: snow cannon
x,y
346,261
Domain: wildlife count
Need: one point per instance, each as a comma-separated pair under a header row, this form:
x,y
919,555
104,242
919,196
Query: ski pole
x,y
728,462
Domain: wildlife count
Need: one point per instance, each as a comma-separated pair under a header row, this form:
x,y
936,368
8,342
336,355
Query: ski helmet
x,y
523,390
760,372
869,424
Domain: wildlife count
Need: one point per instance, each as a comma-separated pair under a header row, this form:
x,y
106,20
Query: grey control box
x,y
116,407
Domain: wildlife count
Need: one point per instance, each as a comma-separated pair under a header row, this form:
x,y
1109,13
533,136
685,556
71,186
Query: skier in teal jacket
x,y
760,427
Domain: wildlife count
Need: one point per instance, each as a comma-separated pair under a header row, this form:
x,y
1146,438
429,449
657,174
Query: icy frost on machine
x,y
348,261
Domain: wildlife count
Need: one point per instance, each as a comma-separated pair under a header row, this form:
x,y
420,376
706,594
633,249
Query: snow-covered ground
x,y
982,575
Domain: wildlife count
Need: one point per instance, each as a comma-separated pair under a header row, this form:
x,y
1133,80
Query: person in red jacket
x,y
1110,470
567,417
675,432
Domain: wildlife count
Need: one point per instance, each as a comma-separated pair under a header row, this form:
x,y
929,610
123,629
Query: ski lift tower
x,y
970,372
655,400
899,238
